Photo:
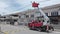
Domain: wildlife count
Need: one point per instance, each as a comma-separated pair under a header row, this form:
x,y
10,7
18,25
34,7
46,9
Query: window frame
x,y
54,13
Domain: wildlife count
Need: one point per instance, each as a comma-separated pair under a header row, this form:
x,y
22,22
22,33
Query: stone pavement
x,y
2,33
10,29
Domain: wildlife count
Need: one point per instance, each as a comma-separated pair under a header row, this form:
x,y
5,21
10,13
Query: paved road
x,y
9,29
35,32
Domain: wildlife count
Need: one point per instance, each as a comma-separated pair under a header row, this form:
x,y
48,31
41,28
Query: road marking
x,y
12,31
6,32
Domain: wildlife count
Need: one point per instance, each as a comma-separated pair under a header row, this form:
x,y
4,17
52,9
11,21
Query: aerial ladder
x,y
45,25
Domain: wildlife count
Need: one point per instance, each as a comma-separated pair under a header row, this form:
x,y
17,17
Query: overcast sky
x,y
13,6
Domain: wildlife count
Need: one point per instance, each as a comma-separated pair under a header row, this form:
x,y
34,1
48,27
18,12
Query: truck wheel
x,y
30,28
39,29
47,31
52,28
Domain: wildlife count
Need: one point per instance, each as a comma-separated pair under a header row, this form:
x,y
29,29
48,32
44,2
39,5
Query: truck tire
x,y
30,28
43,28
52,28
40,30
47,31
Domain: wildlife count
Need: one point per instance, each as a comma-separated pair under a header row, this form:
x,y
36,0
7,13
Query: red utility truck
x,y
38,25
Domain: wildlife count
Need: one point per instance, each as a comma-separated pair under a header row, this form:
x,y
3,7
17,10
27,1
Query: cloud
x,y
42,3
2,7
8,6
12,6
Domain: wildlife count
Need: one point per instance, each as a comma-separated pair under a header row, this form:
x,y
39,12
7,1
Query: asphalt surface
x,y
10,29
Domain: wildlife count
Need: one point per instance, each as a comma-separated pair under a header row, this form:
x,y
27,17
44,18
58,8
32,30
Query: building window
x,y
27,16
37,14
14,15
54,13
23,16
32,15
46,14
19,16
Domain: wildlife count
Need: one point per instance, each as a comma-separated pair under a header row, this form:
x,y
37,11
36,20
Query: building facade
x,y
53,12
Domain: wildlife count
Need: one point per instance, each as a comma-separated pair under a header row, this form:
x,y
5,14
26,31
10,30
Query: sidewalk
x,y
10,29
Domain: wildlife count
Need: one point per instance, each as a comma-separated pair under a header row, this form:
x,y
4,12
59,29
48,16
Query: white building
x,y
53,12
